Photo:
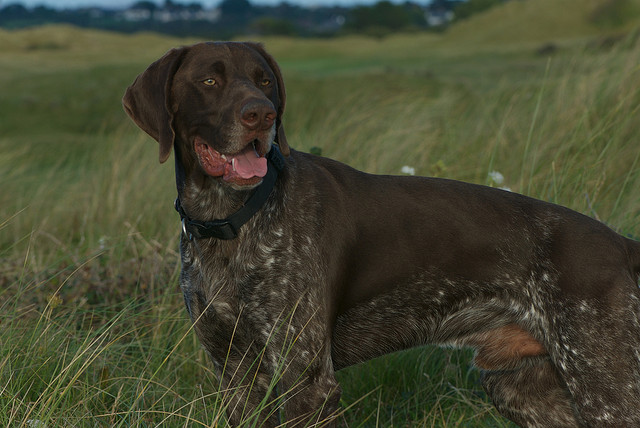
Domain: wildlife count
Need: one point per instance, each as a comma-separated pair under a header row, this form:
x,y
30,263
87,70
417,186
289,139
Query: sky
x,y
62,4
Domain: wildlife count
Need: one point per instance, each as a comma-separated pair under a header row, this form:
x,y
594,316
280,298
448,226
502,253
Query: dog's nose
x,y
257,114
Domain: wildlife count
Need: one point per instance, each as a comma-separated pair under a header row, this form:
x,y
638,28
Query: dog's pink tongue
x,y
248,164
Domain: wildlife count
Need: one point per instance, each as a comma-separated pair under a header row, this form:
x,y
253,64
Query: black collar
x,y
228,228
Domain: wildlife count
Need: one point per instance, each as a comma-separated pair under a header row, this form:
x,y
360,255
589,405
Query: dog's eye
x,y
265,82
209,82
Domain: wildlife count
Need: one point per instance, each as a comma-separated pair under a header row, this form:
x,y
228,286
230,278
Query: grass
x,y
92,326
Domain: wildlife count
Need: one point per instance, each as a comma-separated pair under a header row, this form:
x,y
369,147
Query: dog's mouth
x,y
245,168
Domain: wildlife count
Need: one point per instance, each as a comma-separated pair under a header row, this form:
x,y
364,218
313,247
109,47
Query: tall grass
x,y
92,326
104,368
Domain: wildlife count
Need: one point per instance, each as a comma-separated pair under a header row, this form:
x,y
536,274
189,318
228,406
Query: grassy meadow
x,y
93,332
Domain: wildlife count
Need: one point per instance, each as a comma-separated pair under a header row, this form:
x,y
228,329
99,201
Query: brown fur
x,y
340,266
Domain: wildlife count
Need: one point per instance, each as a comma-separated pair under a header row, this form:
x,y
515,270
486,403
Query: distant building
x,y
136,14
441,12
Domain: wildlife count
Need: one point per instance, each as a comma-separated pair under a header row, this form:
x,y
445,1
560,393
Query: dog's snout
x,y
257,115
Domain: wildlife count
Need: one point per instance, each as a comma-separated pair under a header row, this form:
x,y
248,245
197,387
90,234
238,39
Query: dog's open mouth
x,y
245,168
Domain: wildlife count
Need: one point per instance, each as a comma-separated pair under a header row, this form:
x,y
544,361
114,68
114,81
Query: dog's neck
x,y
205,198
215,200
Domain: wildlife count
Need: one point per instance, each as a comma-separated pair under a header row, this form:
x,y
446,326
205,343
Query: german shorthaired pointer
x,y
295,266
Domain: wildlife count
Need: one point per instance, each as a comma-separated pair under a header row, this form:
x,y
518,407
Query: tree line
x,y
235,17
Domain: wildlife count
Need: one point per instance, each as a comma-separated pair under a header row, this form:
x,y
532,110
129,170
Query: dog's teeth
x,y
233,164
224,157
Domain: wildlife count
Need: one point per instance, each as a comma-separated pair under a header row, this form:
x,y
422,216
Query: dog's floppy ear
x,y
281,139
147,100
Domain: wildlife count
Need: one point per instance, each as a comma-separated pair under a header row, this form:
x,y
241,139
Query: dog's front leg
x,y
248,391
244,363
312,391
299,351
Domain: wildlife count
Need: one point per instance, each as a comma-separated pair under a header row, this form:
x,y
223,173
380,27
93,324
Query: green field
x,y
92,326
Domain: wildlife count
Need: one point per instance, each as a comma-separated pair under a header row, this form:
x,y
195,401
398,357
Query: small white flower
x,y
408,170
496,177
102,243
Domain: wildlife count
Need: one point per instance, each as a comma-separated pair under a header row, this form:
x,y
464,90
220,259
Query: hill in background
x,y
536,21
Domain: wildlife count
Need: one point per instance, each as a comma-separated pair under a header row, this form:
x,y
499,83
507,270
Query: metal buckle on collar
x,y
186,233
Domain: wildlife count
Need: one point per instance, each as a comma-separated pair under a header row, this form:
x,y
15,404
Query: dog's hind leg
x,y
595,345
532,395
591,377
520,379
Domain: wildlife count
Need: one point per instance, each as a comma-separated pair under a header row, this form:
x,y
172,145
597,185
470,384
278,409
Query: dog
x,y
295,266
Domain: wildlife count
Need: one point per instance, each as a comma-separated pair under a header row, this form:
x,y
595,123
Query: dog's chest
x,y
271,287
271,269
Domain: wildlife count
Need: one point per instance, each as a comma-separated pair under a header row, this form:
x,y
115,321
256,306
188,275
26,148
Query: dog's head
x,y
221,104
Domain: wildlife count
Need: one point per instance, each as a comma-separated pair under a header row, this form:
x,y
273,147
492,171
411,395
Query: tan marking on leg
x,y
503,347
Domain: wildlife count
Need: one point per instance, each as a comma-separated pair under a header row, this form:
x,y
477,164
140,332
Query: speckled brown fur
x,y
340,266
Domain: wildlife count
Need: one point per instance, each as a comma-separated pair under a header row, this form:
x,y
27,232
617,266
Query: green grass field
x,y
92,326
